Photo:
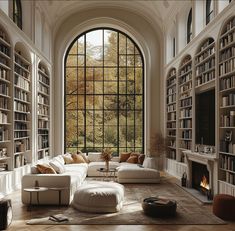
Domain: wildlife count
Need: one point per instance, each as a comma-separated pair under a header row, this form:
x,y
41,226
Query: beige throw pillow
x,y
78,159
68,158
45,169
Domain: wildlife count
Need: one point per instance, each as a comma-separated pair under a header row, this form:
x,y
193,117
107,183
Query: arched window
x,y
189,27
173,47
209,11
17,13
104,93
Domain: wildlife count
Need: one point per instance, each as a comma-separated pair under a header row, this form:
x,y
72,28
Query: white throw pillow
x,y
94,156
34,170
59,158
58,167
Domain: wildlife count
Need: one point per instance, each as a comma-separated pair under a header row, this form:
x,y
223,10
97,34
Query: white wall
x,y
4,6
128,22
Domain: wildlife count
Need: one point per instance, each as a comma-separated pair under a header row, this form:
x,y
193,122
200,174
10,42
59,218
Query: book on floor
x,y
58,217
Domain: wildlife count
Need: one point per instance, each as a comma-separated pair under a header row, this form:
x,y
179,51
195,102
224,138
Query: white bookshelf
x,y
43,112
226,72
171,97
22,109
5,102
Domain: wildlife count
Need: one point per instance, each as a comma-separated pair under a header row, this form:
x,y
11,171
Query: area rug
x,y
188,210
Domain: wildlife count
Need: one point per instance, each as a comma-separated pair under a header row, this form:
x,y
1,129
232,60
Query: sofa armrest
x,y
48,181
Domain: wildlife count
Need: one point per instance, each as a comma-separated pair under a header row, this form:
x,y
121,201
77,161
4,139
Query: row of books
x,y
3,35
171,108
205,54
4,89
186,112
43,89
3,61
171,125
228,120
3,102
228,100
43,142
227,83
20,161
186,68
43,124
171,133
43,100
206,77
18,106
171,81
227,162
171,90
172,143
4,134
185,78
186,102
3,117
227,67
3,73
186,144
187,123
22,83
20,126
43,132
171,99
171,116
21,117
205,66
5,49
20,134
187,134
226,54
230,38
171,154
185,87
21,145
43,79
21,95
21,72
42,110
230,25
21,62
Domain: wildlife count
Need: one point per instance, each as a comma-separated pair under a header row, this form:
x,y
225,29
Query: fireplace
x,y
200,179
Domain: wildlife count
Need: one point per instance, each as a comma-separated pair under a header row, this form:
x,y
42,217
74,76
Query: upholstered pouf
x,y
224,206
159,207
99,197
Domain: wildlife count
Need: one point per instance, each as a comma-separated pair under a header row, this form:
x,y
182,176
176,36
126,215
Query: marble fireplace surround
x,y
210,160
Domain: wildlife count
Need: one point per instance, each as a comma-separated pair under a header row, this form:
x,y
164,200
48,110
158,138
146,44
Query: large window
x,y
17,13
104,93
209,11
189,27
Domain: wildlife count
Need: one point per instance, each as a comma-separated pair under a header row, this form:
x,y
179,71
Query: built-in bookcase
x,y
185,106
227,103
22,108
5,101
205,64
171,88
43,112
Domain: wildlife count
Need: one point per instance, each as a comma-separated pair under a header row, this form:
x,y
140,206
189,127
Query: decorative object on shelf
x,y
184,180
228,139
106,156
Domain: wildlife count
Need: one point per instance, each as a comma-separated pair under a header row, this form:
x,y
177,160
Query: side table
x,y
37,190
59,191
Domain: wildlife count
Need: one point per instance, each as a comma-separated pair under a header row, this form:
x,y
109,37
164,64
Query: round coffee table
x,y
108,173
159,206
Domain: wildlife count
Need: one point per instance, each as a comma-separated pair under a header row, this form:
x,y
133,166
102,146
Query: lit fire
x,y
204,183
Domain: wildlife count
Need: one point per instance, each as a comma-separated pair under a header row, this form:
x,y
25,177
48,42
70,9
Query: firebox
x,y
200,179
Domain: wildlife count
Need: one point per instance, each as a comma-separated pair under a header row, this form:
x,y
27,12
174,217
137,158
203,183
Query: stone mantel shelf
x,y
200,156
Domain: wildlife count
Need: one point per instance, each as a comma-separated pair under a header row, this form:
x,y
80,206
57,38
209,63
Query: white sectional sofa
x,y
74,176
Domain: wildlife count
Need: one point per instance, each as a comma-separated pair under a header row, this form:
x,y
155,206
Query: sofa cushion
x,y
45,169
68,158
132,160
57,165
94,156
60,159
124,156
78,159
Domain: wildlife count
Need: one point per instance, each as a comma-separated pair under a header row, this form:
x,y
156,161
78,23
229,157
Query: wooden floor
x,y
21,215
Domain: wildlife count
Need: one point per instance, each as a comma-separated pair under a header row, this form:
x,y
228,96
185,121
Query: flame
x,y
204,183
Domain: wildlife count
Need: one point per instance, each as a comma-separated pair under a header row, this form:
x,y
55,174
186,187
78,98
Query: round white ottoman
x,y
99,197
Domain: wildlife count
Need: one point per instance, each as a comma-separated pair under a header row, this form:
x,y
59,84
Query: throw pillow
x,y
58,167
132,160
83,156
45,169
141,159
135,154
60,159
34,169
68,158
124,156
78,159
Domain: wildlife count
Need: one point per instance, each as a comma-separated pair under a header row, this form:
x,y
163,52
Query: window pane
x,y
71,102
81,45
72,60
71,81
74,49
110,50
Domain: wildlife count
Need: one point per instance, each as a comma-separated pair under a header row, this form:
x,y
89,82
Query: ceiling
x,y
157,11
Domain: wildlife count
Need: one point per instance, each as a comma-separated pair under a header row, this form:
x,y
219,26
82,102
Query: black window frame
x,y
209,11
88,149
17,13
173,47
189,26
